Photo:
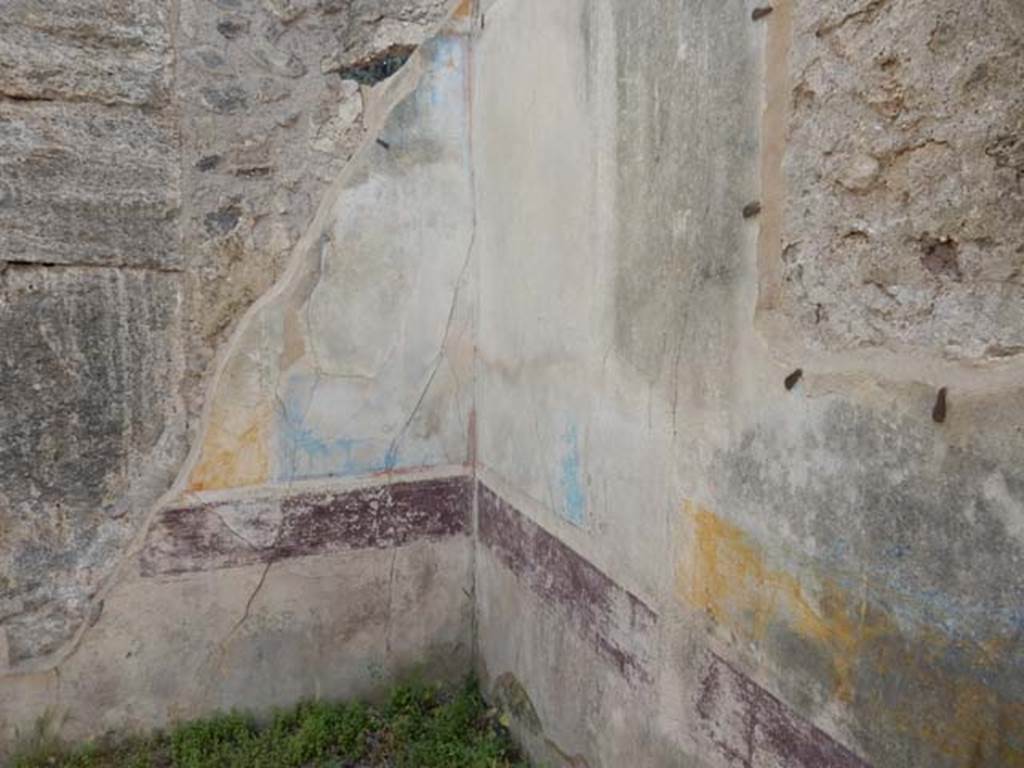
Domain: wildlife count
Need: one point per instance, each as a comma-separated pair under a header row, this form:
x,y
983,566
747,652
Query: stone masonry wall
x,y
93,308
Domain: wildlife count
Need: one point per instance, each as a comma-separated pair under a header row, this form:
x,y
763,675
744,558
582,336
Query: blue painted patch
x,y
572,478
445,84
302,454
391,457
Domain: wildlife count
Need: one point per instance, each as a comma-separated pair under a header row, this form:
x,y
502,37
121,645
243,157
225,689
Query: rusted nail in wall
x,y
939,411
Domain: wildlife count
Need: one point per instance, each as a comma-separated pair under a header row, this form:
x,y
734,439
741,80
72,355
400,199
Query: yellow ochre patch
x,y
233,455
727,577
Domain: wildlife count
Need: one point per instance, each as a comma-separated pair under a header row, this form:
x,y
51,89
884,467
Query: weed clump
x,y
419,726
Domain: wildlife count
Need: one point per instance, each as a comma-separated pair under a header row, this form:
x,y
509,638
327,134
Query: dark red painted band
x,y
750,727
204,537
618,623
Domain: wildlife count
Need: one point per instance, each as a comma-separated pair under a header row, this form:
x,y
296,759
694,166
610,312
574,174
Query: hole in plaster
x,y
379,66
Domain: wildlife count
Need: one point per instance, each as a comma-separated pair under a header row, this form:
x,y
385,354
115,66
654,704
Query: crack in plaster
x,y
119,267
252,598
232,531
391,457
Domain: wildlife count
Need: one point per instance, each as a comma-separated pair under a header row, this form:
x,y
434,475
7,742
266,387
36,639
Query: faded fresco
x,y
659,361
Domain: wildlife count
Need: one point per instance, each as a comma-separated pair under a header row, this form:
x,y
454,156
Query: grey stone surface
x,y
904,213
86,50
85,183
91,430
91,303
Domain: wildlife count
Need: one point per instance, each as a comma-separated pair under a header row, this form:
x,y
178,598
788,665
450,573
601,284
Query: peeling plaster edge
x,y
773,328
391,93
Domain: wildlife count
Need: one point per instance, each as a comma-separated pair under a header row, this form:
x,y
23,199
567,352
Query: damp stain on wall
x,y
902,690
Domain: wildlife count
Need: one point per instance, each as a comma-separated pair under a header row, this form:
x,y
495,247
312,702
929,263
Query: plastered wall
x,y
726,266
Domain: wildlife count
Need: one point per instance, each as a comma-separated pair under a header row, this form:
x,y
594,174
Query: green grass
x,y
420,726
